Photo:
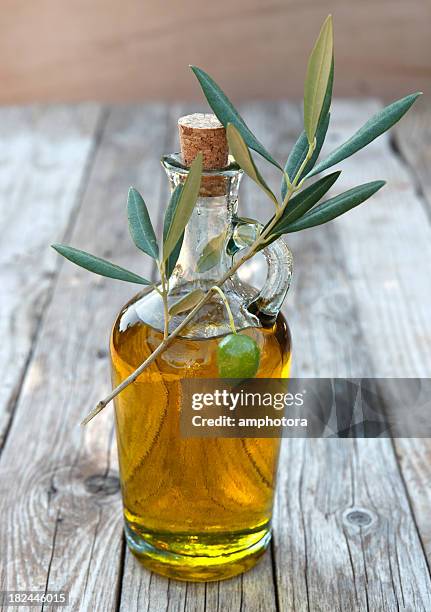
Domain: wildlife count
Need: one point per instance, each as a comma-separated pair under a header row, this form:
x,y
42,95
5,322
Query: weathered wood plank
x,y
344,535
412,140
251,592
60,504
398,327
389,249
341,294
45,152
414,456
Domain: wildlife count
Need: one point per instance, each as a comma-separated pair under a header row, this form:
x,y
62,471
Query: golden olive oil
x,y
195,509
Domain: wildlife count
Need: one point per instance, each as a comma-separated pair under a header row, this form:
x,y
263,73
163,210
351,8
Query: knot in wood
x,y
358,517
98,484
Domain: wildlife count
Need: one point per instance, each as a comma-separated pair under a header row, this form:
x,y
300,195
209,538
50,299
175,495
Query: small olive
x,y
237,356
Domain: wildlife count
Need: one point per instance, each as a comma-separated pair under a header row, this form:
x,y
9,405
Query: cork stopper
x,y
204,132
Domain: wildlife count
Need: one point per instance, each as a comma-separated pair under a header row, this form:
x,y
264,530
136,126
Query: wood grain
x,y
397,314
45,152
61,522
106,50
412,141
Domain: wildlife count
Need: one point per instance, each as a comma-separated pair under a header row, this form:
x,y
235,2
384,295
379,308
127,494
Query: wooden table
x,y
352,529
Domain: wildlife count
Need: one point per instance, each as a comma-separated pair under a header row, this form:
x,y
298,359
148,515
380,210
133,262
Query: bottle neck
x,y
203,258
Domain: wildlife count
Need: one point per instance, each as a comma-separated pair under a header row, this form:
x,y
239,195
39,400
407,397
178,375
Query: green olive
x,y
237,356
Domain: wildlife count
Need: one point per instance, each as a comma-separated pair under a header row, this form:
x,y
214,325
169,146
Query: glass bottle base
x,y
198,561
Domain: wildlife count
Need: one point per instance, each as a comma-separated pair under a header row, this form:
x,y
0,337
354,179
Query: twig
x,y
228,310
164,295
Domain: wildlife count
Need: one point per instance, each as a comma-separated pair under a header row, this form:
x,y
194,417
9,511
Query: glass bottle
x,y
198,509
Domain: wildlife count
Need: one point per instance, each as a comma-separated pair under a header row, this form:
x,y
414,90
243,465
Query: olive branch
x,y
297,209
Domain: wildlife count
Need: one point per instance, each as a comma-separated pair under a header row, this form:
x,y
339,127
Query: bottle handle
x,y
267,304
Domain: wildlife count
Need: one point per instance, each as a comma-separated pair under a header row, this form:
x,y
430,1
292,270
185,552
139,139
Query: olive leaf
x,y
211,253
171,261
181,206
300,148
374,127
140,226
227,113
188,302
299,153
98,265
318,76
243,157
304,201
326,211
170,210
327,101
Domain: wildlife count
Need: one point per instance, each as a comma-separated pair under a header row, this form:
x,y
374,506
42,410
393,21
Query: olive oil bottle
x,y
198,509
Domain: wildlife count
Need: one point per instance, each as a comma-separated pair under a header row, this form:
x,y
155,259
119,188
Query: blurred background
x,y
53,50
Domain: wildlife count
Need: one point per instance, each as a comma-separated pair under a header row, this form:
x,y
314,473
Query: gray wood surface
x,y
338,333
45,153
351,521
